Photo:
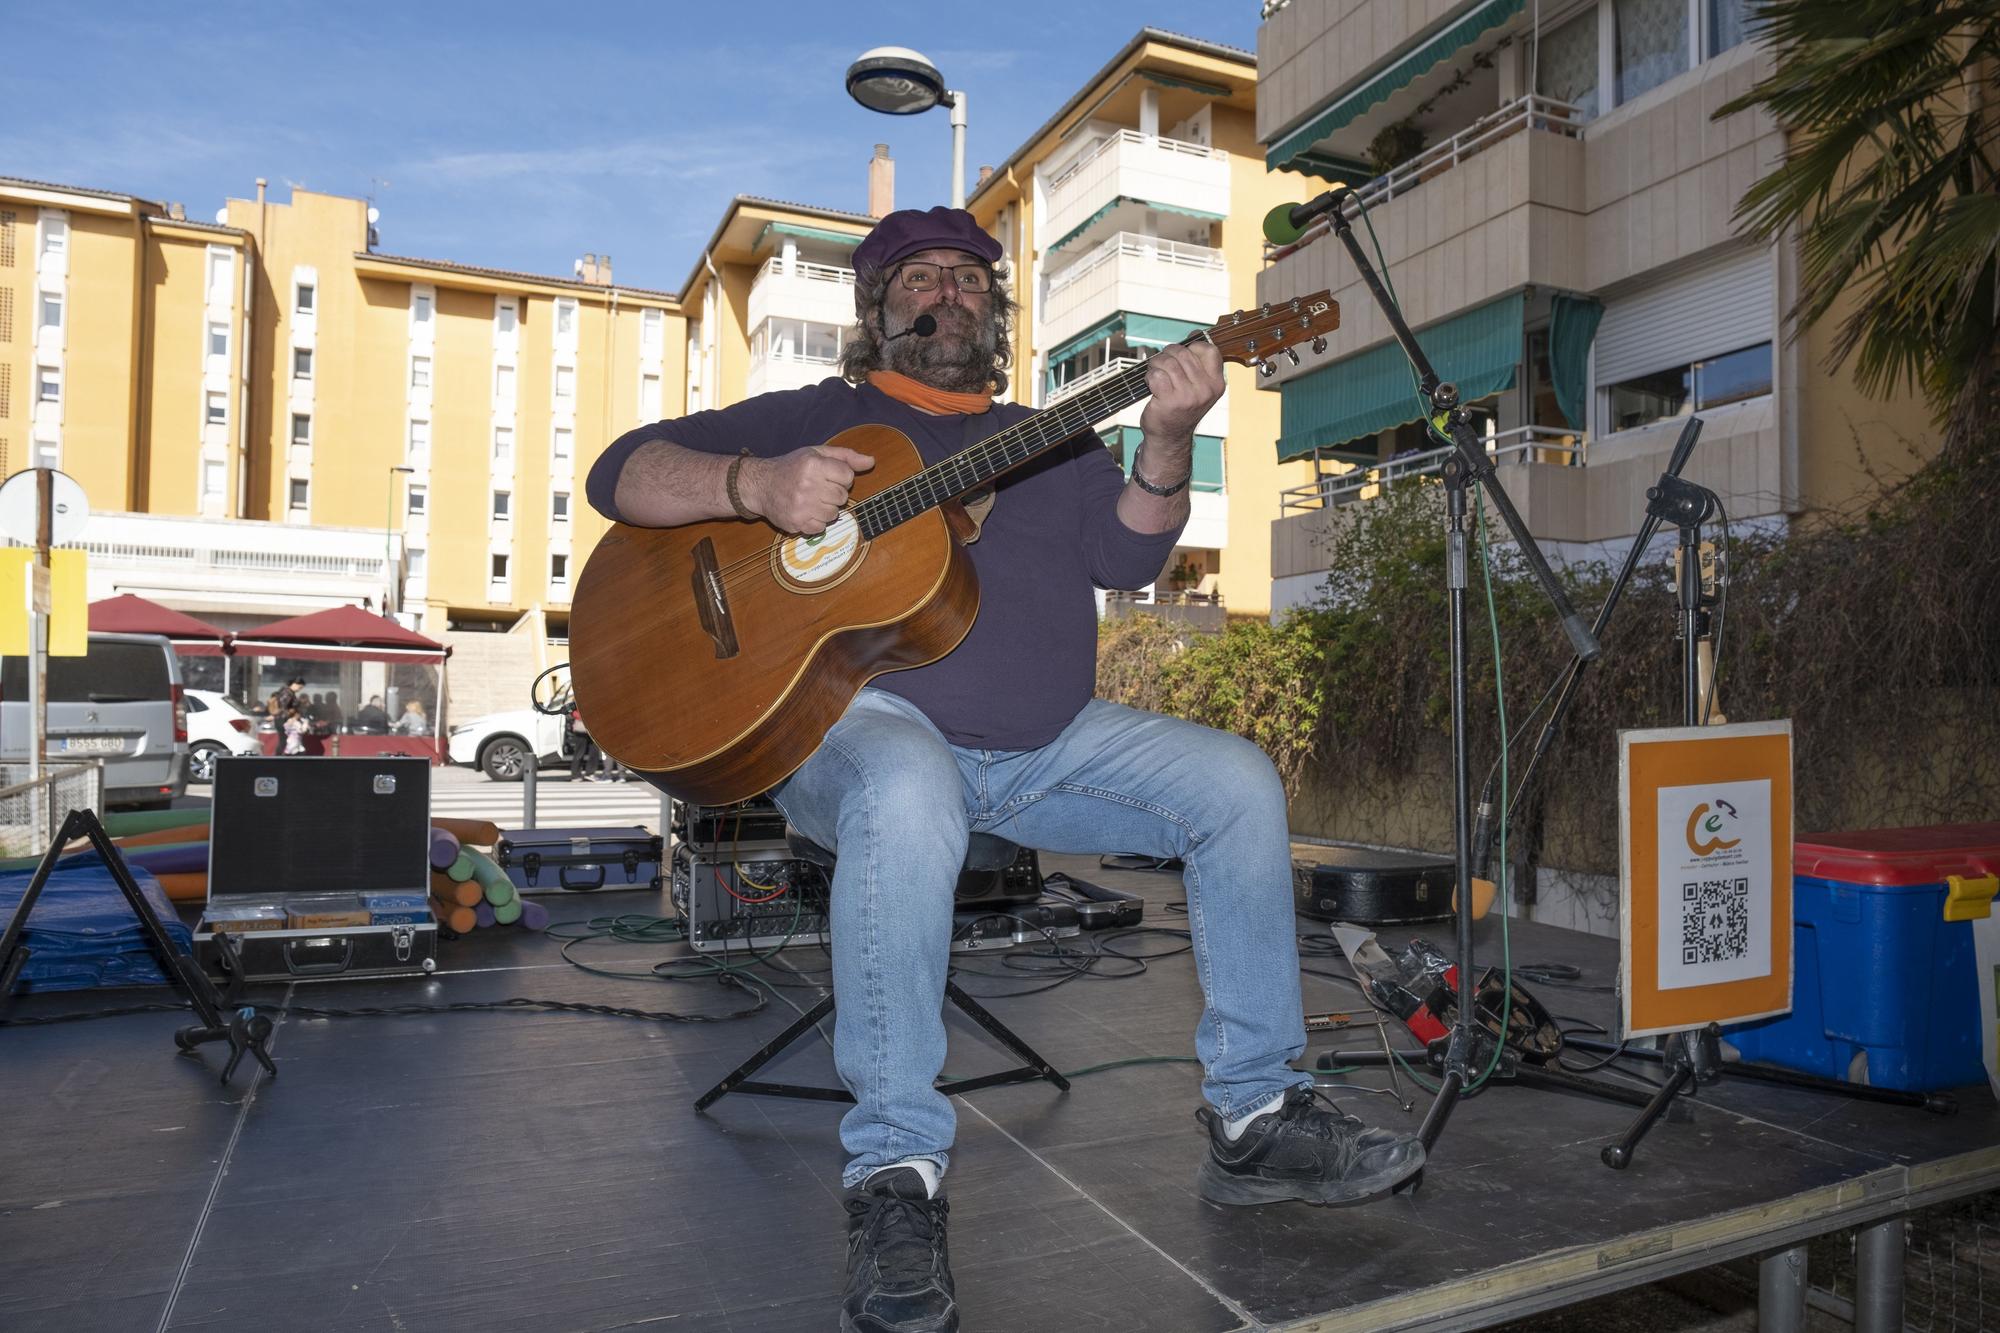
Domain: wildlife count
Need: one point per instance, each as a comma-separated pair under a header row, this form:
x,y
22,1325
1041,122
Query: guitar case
x,y
1370,888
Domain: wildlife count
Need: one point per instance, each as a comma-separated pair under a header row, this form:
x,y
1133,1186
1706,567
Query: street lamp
x,y
388,539
899,82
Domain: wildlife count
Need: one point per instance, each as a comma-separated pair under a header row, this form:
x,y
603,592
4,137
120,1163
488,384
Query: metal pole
x,y
957,100
38,652
1878,1277
1781,1291
528,790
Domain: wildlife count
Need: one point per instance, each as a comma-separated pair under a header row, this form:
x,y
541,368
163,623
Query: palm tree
x,y
1890,177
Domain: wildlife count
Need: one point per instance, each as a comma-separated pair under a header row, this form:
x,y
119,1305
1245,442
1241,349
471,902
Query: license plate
x,y
94,744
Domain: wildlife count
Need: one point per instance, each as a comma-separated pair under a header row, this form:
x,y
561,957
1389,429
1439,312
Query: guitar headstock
x,y
1252,337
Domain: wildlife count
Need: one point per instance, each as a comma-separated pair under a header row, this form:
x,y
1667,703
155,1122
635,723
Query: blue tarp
x,y
82,934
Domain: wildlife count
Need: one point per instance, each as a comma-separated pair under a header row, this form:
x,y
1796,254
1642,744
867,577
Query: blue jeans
x,y
896,801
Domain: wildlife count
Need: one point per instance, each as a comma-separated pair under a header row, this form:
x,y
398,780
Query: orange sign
x,y
1705,874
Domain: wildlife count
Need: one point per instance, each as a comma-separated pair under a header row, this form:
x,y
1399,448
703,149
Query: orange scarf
x,y
917,394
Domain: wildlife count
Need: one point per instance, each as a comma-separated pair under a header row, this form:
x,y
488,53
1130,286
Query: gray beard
x,y
957,358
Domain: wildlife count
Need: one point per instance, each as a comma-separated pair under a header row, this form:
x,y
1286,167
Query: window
x,y
419,496
300,488
420,307
414,558
499,566
1731,378
1651,45
420,372
216,407
503,502
48,385
1567,68
504,317
565,383
652,322
52,310
218,340
214,476
302,299
220,267
420,443
503,444
55,236
649,397
6,240
302,363
565,318
503,382
558,568
559,507
6,314
302,428
1727,25
560,447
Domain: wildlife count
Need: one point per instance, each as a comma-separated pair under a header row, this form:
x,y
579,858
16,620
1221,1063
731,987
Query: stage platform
x,y
535,1171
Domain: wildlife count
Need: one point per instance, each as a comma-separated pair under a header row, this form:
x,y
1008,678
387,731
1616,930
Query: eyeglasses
x,y
922,276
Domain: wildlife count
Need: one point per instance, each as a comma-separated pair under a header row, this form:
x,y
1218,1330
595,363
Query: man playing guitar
x,y
1002,735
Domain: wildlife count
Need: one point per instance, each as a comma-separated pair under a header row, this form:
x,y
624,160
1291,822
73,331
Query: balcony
x,y
1508,214
774,372
1158,173
1528,444
1213,422
819,292
1135,273
237,564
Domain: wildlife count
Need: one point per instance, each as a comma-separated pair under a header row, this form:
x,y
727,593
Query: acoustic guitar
x,y
761,639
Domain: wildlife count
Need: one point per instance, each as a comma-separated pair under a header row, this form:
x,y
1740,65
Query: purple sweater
x,y
1030,662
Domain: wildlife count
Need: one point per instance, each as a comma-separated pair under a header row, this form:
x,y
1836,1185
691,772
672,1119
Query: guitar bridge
x,y
711,600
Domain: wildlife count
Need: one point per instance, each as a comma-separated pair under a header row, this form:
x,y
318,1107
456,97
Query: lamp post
x,y
900,82
388,539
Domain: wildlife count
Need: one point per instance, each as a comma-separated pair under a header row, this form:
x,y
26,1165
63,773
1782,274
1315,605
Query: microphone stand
x,y
1469,464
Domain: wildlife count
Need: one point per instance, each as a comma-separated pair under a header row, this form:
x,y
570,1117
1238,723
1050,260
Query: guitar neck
x,y
969,469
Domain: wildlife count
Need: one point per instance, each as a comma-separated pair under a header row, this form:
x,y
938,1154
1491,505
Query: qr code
x,y
1715,920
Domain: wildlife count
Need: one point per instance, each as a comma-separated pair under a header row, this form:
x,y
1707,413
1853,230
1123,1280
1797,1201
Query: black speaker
x,y
304,824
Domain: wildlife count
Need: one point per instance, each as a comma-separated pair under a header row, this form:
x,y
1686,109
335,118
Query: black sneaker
x,y
1307,1152
898,1270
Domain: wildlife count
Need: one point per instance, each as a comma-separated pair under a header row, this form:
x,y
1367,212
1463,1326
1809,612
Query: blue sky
x,y
520,136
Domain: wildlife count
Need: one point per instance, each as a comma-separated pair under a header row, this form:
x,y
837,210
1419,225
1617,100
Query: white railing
x,y
1530,112
775,266
1527,444
1111,142
224,557
1177,253
1117,365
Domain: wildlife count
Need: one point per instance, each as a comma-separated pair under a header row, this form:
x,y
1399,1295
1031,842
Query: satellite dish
x,y
374,215
222,216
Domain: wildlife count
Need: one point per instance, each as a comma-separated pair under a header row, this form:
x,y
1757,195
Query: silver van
x,y
121,703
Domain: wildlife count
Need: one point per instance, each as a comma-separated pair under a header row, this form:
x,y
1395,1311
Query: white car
x,y
217,725
499,744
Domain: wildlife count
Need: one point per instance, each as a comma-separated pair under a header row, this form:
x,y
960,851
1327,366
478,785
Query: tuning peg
x,y
1266,369
1267,309
1319,345
1293,353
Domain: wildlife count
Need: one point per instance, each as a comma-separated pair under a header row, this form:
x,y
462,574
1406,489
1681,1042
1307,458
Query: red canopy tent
x,y
131,614
350,634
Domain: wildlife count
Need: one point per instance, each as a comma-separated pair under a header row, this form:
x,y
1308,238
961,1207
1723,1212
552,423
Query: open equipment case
x,y
319,867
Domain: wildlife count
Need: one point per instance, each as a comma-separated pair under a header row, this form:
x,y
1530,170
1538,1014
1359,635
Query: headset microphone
x,y
924,327
1287,222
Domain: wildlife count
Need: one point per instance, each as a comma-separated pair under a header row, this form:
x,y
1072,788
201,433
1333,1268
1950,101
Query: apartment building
x,y
272,416
1553,198
1131,219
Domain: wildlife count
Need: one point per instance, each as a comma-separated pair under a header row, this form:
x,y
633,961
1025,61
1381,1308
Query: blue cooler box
x,y
1883,958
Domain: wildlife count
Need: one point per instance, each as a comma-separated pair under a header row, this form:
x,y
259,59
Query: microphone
x,y
924,327
1287,222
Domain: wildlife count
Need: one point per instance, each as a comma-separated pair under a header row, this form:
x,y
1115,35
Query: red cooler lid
x,y
1899,856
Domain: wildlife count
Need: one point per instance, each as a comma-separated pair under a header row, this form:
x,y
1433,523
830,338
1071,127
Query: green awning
x,y
793,229
1374,390
1140,331
1123,442
1399,74
1098,216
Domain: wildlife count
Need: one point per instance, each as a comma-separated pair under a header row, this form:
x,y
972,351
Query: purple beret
x,y
908,230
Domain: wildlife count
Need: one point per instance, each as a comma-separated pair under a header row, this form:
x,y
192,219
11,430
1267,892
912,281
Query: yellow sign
x,y
69,601
1705,874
